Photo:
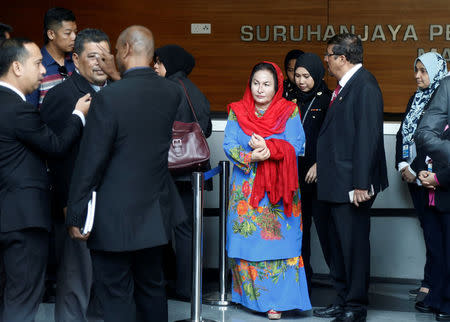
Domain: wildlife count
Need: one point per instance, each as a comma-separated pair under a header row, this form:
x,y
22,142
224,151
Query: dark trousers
x,y
74,292
181,260
24,256
183,244
419,196
437,234
312,209
129,280
349,229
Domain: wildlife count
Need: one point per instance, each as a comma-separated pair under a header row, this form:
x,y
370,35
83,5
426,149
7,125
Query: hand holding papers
x,y
90,215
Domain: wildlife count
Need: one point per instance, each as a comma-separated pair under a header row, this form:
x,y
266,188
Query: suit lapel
x,y
9,91
82,84
340,99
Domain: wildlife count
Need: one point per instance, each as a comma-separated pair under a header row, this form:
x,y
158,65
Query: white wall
x,y
397,247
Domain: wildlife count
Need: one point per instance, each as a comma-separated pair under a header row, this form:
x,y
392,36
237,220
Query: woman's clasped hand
x,y
260,150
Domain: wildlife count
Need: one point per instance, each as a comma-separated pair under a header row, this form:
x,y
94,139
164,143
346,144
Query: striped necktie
x,y
335,94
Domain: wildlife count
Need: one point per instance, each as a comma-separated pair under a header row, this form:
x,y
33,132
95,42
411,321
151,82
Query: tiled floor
x,y
237,314
388,302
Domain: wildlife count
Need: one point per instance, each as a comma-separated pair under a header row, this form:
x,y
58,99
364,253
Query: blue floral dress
x,y
264,246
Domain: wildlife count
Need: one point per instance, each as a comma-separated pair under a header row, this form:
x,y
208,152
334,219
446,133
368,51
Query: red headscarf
x,y
275,117
278,175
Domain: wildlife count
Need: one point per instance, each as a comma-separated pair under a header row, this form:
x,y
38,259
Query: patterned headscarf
x,y
437,69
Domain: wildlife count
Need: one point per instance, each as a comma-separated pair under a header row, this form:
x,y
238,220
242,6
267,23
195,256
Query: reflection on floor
x,y
388,302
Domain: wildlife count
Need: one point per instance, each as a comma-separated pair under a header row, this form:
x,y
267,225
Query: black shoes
x,y
413,293
422,307
172,294
49,293
352,316
340,315
331,311
421,296
442,316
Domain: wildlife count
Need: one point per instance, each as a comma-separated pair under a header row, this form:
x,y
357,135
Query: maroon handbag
x,y
189,150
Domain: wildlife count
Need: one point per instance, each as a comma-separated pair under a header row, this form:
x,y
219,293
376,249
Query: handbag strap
x,y
189,100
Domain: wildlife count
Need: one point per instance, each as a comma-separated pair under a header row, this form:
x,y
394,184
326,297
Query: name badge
x,y
405,151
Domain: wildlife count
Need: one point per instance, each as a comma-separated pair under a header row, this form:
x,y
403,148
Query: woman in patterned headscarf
x,y
429,69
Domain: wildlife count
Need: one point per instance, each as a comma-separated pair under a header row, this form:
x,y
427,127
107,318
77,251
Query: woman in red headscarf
x,y
263,138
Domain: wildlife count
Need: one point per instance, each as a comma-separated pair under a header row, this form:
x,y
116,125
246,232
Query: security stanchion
x,y
197,251
222,298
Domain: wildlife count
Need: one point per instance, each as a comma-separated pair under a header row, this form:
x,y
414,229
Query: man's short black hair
x,y
349,45
292,54
4,28
12,50
53,19
89,35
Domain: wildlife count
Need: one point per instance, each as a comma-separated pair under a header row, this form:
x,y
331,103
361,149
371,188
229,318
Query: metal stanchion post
x,y
222,298
197,251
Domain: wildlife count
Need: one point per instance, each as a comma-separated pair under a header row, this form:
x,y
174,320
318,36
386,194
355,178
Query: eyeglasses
x,y
62,70
328,55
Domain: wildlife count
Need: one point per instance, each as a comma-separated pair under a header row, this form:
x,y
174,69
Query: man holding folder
x,y
123,157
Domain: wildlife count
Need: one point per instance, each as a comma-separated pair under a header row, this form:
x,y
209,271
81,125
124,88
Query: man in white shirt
x,y
351,169
24,186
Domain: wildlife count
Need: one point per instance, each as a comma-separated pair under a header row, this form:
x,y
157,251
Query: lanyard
x,y
307,110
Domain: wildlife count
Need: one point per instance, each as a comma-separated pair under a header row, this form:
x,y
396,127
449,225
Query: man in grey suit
x,y
123,157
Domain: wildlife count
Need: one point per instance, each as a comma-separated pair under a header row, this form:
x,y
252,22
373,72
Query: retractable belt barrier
x,y
221,298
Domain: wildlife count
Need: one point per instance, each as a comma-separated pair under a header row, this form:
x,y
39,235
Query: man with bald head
x,y
123,157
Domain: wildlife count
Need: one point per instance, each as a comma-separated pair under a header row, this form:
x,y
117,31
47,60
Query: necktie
x,y
335,94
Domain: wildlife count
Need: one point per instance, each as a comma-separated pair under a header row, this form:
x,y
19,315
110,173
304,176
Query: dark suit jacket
x,y
56,109
433,141
428,136
24,142
350,148
442,192
123,156
440,163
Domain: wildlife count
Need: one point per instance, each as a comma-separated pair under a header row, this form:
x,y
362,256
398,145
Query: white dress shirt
x,y
18,92
349,75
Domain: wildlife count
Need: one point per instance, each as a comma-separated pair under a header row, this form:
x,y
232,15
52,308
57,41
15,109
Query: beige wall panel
x,y
224,60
